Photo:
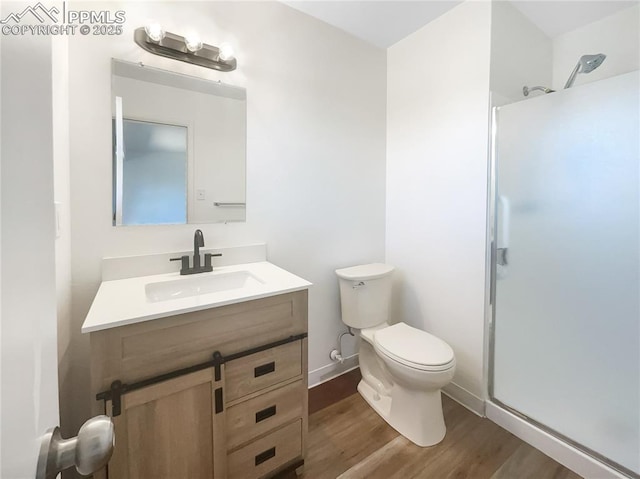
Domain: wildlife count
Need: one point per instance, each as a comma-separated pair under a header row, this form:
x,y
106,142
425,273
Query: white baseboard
x,y
330,371
467,399
553,447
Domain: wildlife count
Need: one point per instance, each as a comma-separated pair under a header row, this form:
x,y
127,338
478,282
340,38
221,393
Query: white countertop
x,y
124,301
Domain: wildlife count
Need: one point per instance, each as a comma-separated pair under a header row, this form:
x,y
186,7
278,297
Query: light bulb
x,y
192,42
154,31
226,52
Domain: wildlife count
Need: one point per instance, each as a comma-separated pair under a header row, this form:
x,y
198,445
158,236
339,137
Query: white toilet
x,y
403,368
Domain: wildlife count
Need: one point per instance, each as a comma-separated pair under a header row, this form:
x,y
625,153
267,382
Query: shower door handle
x,y
505,206
503,241
503,213
501,256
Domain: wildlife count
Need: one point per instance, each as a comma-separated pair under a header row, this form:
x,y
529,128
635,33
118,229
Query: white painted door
x,y
28,344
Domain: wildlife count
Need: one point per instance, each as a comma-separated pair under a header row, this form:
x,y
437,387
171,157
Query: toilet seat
x,y
414,348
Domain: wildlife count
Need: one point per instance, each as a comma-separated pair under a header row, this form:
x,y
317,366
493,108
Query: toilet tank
x,y
365,294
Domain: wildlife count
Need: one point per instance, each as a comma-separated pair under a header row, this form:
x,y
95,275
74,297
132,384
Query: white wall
x,y
437,135
521,54
315,152
617,36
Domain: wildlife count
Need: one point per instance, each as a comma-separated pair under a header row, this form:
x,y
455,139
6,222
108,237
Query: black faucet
x,y
198,242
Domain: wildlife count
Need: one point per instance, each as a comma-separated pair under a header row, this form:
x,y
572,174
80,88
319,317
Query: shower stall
x,y
564,319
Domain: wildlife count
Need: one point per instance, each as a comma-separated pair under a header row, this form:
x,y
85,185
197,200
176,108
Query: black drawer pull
x,y
265,413
265,456
264,369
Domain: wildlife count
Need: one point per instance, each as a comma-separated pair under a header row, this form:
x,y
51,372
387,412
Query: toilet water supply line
x,y
336,354
379,388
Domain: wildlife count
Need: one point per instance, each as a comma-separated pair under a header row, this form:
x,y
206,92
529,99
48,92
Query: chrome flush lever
x,y
358,285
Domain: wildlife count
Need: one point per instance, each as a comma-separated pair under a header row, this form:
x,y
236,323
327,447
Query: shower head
x,y
586,64
591,62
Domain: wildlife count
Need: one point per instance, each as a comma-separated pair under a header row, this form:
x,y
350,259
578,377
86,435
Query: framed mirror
x,y
179,148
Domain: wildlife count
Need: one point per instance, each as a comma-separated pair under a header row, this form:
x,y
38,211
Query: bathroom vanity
x,y
203,377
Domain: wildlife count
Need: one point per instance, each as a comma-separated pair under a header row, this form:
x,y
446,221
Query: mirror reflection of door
x,y
161,116
154,179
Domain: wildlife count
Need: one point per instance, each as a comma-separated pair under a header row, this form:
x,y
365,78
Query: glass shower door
x,y
566,344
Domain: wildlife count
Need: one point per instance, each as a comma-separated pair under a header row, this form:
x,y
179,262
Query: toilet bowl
x,y
403,368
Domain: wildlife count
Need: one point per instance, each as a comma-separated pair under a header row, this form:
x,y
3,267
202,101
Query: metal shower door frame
x,y
490,310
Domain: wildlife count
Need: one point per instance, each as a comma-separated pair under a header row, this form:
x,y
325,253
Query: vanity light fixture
x,y
189,49
154,31
226,51
193,43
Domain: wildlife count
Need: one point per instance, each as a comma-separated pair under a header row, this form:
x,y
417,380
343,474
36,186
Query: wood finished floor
x,y
348,440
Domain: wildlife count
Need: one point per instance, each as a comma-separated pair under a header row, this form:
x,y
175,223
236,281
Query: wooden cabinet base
x,y
183,412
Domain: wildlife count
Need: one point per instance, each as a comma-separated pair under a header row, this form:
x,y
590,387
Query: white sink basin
x,y
203,283
132,300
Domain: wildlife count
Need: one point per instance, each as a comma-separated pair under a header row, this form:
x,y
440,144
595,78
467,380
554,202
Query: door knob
x,y
89,451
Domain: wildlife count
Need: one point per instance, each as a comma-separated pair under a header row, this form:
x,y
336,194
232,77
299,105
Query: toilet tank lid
x,y
365,271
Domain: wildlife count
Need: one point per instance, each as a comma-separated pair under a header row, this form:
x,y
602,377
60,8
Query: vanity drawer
x,y
263,369
267,454
252,418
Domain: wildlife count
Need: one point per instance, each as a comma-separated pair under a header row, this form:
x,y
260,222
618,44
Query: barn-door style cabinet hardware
x,y
217,393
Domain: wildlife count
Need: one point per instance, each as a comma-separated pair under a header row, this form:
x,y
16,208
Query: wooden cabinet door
x,y
170,430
